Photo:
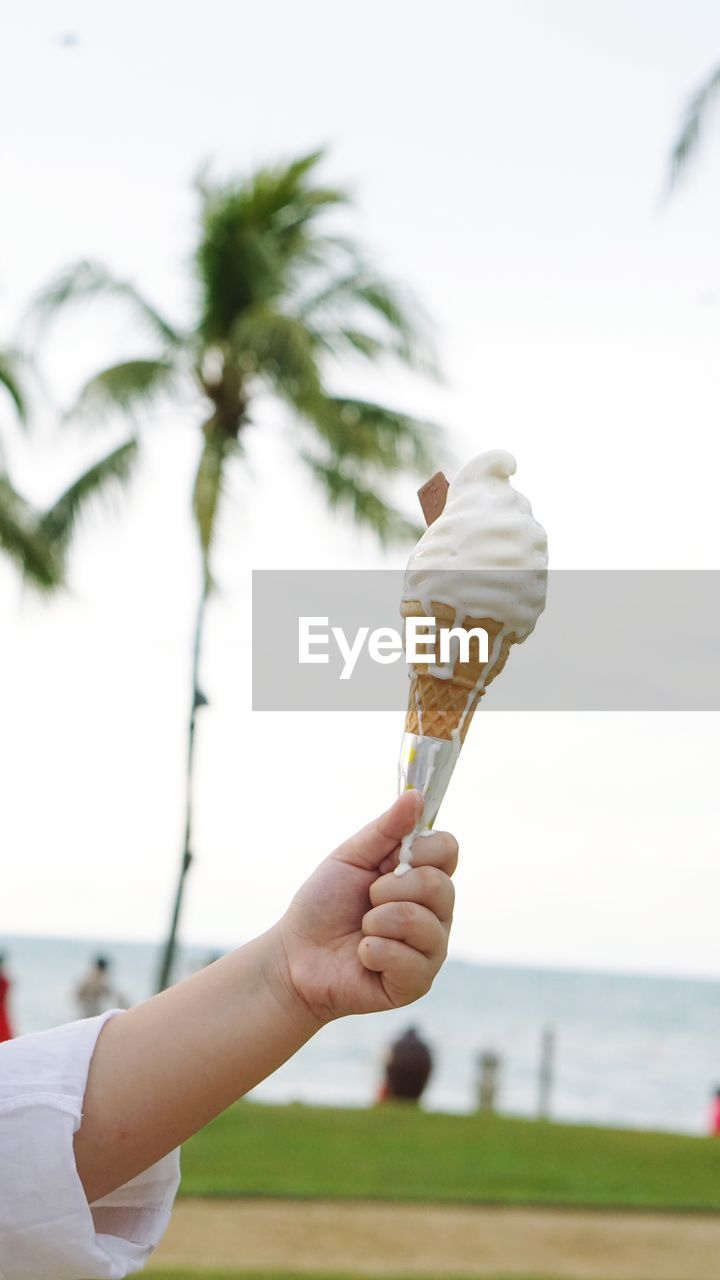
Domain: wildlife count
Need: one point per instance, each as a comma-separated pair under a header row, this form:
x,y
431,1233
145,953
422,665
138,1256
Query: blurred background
x,y
292,219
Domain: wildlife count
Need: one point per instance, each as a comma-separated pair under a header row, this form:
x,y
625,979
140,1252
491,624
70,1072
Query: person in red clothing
x,y
715,1115
5,1028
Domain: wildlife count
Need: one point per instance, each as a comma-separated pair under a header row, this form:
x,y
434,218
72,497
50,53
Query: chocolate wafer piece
x,y
432,496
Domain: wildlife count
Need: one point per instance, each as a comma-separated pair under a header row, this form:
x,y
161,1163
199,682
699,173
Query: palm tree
x,y
696,113
38,541
279,298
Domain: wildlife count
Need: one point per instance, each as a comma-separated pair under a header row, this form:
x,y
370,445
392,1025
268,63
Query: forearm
x,y
165,1068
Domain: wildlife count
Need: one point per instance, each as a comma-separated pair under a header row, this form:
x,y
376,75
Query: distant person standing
x,y
96,993
6,1031
407,1069
715,1115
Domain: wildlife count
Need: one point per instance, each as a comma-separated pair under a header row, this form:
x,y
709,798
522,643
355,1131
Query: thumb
x,y
372,845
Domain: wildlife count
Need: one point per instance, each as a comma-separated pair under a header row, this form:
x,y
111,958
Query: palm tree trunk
x,y
197,701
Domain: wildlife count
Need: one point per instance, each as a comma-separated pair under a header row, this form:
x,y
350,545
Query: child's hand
x,y
356,938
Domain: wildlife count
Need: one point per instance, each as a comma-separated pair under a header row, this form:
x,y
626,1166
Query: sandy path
x,y
422,1240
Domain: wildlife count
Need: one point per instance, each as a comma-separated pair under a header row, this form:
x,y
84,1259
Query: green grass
x,y
392,1153
305,1275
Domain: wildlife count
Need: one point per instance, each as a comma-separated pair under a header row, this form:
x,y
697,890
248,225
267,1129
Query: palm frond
x,y
11,380
349,492
22,540
266,342
209,487
58,524
275,197
283,192
374,434
85,281
403,329
342,339
255,235
263,247
388,303
124,387
290,177
696,114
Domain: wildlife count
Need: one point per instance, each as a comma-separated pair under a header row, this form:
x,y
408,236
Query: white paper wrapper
x,y
426,764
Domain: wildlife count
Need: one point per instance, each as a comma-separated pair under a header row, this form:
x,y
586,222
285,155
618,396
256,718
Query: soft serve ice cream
x,y
481,564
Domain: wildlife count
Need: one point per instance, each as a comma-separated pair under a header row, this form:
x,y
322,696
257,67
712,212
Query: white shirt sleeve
x,y
47,1227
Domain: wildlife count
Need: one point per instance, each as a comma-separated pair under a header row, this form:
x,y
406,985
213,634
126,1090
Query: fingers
x,y
407,927
382,837
406,974
439,849
427,886
410,923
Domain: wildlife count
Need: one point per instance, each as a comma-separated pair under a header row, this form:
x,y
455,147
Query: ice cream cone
x,y
481,564
442,706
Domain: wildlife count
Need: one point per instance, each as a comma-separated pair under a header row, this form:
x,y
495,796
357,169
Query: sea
x,y
630,1051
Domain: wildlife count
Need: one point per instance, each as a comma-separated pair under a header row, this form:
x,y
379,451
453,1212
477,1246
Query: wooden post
x,y
546,1072
488,1080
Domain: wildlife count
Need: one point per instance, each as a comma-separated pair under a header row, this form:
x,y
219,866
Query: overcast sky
x,y
508,161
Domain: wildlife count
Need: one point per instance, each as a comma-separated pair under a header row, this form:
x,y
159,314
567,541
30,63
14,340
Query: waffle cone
x,y
436,706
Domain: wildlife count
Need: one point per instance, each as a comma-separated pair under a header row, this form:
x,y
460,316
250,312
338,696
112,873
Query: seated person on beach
x,y
92,1114
96,993
408,1068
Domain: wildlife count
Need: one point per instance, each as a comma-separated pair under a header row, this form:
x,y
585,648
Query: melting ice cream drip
x,y
425,765
418,712
493,658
